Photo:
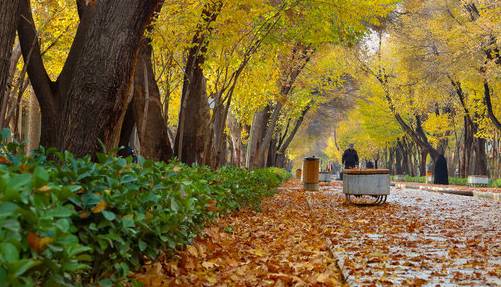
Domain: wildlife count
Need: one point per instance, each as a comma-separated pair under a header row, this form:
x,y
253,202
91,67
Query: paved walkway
x,y
417,239
316,239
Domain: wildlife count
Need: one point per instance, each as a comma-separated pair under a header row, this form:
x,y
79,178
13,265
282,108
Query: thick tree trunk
x,y
264,147
8,21
480,159
194,117
256,136
147,109
87,104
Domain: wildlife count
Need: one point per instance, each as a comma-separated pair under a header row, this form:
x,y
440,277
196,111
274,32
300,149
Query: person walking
x,y
350,157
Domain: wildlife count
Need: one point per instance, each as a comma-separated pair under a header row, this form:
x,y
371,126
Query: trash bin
x,y
311,173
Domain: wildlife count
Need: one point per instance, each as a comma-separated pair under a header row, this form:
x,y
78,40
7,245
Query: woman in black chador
x,y
441,175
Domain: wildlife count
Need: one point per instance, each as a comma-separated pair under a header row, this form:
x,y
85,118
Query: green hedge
x,y
66,221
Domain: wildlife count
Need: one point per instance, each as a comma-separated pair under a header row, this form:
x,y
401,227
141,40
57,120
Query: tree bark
x,y
422,163
488,103
256,136
194,116
8,19
236,140
147,109
87,103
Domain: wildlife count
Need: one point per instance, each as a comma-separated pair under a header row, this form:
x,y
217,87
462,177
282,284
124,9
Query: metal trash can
x,y
311,173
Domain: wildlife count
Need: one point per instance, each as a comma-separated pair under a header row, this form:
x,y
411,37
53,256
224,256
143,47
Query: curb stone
x,y
338,257
486,195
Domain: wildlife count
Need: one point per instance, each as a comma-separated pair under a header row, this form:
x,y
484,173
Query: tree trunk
x,y
194,116
8,20
488,103
256,136
147,109
480,159
398,160
422,163
262,152
236,140
87,103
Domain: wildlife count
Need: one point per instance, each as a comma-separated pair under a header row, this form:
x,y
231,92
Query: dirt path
x,y
279,246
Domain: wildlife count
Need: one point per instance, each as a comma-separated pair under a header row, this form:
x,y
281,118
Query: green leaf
x,y
63,224
7,208
142,245
109,215
40,176
16,185
128,221
75,266
90,199
106,283
60,212
74,250
24,265
173,204
9,252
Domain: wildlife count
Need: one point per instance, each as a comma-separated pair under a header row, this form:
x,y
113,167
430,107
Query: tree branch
x,y
28,39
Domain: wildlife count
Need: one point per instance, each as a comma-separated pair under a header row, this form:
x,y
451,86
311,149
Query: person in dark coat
x,y
350,157
369,164
441,175
126,152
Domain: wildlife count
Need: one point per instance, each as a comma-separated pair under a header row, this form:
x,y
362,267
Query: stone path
x,y
417,239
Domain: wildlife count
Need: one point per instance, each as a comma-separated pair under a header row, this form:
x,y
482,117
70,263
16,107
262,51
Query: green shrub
x,y
67,221
495,182
452,180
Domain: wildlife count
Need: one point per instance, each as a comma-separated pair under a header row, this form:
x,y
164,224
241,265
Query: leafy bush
x,y
67,221
495,182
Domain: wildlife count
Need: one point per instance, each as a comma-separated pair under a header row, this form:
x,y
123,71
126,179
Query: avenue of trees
x,y
429,85
218,82
207,82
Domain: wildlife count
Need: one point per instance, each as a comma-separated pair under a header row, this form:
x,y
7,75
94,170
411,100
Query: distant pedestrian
x,y
441,172
369,164
350,157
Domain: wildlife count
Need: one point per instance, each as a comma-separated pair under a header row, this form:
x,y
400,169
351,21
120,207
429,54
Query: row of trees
x,y
206,81
430,86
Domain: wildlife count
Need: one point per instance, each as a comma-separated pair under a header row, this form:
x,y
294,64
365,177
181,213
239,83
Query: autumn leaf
x,y
212,205
37,243
43,189
4,160
100,206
